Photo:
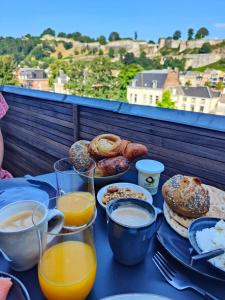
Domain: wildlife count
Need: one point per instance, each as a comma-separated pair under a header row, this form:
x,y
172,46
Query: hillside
x,y
42,51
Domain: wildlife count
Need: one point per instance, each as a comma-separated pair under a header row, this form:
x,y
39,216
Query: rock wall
x,y
186,44
199,60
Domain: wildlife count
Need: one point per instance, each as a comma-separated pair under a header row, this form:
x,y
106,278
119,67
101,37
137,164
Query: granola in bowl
x,y
114,192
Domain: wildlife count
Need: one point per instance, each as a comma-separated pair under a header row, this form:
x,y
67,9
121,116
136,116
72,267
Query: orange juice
x,y
78,208
67,271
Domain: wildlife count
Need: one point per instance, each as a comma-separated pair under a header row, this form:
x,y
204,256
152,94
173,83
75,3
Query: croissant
x,y
105,145
111,166
132,150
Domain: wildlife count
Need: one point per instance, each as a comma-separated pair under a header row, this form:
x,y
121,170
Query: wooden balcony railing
x,y
40,127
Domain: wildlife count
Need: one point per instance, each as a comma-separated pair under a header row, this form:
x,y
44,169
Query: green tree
x,y
92,79
62,34
190,34
59,55
67,45
7,67
114,36
129,58
126,75
208,83
122,52
219,86
166,101
48,31
135,35
111,52
206,48
177,35
102,40
201,33
151,42
100,52
188,83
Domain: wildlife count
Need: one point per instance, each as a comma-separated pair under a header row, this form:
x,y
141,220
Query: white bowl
x,y
136,297
132,186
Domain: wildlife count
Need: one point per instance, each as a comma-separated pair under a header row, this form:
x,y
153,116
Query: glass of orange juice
x,y
67,264
76,194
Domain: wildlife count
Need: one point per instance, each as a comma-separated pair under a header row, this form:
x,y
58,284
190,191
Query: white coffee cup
x,y
21,247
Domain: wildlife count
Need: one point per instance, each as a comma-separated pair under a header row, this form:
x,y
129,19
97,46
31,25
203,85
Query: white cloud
x,y
220,25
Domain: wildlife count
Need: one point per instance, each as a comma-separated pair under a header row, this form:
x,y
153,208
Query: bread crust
x,y
186,196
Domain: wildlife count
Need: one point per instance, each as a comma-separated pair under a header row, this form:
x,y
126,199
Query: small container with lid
x,y
149,174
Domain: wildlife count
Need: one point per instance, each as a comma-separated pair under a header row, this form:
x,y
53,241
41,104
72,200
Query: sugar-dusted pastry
x,y
79,155
111,166
186,196
105,145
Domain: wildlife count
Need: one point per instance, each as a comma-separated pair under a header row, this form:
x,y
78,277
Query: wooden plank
x,y
42,143
38,110
41,116
63,108
153,129
41,130
75,122
42,124
146,121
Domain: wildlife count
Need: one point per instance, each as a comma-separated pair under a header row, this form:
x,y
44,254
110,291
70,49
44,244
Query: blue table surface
x,y
113,278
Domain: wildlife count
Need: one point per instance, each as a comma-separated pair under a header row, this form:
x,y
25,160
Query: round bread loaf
x,y
186,196
79,155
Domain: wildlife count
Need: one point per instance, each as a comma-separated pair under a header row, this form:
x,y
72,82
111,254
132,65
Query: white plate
x,y
136,297
132,186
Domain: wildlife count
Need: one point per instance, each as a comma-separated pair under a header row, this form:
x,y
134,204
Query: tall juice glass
x,y
67,265
76,194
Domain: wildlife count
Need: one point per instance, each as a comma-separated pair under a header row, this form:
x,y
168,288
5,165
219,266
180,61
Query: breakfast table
x,y
114,278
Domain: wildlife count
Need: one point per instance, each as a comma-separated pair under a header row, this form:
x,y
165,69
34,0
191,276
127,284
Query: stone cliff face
x,y
153,50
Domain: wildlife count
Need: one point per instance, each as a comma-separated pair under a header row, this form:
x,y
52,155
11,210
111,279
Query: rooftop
x,y
199,91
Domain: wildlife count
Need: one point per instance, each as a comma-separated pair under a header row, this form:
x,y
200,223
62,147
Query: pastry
x,y
105,145
186,196
132,150
79,155
111,166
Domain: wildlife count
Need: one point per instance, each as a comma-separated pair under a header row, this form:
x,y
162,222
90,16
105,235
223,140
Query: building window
x,y
150,99
192,108
131,97
135,98
156,98
193,100
184,99
201,109
202,101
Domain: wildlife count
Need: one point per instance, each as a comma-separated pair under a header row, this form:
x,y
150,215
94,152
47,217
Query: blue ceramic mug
x,y
130,244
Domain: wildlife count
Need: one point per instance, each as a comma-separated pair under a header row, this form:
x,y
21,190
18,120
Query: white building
x,y
196,99
147,87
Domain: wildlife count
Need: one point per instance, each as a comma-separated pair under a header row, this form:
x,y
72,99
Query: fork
x,y
175,278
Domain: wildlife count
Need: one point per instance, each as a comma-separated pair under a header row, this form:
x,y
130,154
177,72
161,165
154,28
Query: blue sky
x,y
150,18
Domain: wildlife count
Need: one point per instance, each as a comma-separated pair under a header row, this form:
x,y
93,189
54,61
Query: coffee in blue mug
x,y
131,225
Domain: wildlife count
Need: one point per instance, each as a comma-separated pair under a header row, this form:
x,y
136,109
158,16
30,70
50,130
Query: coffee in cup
x,y
21,224
131,225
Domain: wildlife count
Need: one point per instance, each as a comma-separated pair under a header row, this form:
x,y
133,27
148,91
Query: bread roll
x,y
105,145
111,166
186,196
79,155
